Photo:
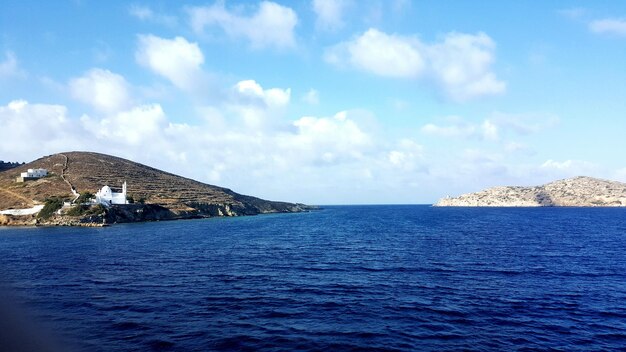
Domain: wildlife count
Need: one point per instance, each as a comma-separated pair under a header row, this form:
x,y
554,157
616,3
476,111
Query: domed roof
x,y
105,191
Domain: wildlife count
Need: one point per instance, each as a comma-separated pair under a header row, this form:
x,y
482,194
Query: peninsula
x,y
74,188
573,192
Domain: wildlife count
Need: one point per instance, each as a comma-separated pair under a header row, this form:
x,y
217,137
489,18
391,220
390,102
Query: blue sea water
x,y
388,278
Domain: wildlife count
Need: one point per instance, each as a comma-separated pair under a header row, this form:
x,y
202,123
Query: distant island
x,y
579,191
7,165
92,189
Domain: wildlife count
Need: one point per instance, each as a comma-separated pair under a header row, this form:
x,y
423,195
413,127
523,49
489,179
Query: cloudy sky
x,y
322,101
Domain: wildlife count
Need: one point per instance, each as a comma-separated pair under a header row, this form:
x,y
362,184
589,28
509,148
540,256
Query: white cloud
x,y
379,53
137,126
145,13
568,168
453,130
274,97
329,13
608,26
489,130
102,89
524,124
457,127
492,128
328,139
460,64
311,97
272,25
407,155
54,130
36,129
314,159
257,107
563,165
9,67
176,59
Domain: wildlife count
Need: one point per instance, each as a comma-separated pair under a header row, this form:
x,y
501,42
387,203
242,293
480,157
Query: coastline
x,y
132,213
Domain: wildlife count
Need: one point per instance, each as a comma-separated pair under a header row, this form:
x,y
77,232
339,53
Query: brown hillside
x,y
88,172
24,195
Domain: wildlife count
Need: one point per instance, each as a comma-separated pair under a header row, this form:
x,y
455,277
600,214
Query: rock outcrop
x,y
574,192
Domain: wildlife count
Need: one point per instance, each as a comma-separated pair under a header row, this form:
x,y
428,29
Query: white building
x,y
107,197
32,174
35,173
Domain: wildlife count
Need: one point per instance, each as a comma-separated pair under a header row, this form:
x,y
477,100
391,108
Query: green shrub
x,y
83,209
84,198
76,210
52,205
96,209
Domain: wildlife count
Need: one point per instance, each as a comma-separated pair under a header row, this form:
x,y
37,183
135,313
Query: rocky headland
x,y
153,194
579,191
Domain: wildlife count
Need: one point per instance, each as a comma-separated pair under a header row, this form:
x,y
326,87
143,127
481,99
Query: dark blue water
x,y
343,278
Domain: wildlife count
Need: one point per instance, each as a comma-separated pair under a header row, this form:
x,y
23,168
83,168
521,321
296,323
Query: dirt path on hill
x,y
15,195
72,189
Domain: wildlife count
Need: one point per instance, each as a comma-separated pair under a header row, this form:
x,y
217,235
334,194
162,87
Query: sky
x,y
322,101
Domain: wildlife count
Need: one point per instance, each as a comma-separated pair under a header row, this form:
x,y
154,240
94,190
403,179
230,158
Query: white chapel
x,y
106,196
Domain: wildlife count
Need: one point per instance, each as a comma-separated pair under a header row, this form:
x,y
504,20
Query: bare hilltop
x,y
579,191
153,194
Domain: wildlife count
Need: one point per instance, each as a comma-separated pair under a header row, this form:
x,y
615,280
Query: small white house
x,y
106,196
32,174
35,173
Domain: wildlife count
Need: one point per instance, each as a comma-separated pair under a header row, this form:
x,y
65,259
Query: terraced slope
x,y
15,195
88,172
574,192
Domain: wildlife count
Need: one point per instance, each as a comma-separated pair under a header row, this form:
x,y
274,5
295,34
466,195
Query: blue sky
x,y
323,102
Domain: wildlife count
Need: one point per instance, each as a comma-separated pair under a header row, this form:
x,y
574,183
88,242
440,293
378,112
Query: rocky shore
x,y
143,212
574,192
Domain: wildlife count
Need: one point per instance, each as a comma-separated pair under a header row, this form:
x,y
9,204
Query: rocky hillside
x,y
175,196
574,192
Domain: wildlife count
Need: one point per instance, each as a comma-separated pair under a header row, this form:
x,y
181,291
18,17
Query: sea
x,y
342,278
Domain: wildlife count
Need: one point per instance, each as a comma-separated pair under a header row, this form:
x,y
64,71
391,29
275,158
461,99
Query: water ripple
x,y
376,278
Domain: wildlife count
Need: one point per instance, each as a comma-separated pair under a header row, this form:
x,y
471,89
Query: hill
x,y
174,196
574,192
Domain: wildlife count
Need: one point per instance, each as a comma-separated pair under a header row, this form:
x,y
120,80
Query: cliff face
x,y
166,196
574,192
